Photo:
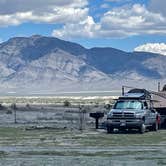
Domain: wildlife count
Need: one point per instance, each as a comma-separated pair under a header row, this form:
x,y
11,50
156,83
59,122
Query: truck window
x,y
128,105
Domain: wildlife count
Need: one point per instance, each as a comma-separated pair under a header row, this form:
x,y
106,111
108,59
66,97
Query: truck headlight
x,y
110,114
138,116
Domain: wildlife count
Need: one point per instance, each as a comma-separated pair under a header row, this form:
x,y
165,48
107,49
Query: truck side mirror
x,y
153,111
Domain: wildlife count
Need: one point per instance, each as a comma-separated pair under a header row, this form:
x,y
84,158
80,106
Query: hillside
x,y
47,64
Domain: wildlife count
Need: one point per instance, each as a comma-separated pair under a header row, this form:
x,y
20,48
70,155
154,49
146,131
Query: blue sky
x,y
122,24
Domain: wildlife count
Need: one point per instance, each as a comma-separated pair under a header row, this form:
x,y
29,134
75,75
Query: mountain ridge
x,y
45,62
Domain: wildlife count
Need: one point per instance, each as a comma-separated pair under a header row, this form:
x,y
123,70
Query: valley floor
x,y
22,147
50,135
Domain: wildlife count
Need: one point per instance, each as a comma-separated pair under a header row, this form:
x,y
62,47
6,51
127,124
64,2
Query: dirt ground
x,y
22,146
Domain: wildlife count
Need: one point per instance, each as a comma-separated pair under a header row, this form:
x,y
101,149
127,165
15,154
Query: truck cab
x,y
134,110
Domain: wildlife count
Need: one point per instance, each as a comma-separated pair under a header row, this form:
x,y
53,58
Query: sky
x,y
123,24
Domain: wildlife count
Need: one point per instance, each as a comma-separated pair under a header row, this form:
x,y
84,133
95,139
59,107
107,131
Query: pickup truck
x,y
134,110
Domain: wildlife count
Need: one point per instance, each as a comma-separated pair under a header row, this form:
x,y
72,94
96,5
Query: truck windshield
x,y
128,105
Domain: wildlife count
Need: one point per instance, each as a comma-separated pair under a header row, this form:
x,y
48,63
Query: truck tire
x,y
109,129
142,128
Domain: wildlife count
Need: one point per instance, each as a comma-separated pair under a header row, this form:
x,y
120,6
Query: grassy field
x,y
23,145
19,146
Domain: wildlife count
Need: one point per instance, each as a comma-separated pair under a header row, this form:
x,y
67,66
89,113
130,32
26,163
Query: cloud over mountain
x,y
159,48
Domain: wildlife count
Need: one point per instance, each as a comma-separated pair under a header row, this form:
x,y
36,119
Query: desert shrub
x,y
1,107
13,106
27,105
9,112
96,104
67,103
107,106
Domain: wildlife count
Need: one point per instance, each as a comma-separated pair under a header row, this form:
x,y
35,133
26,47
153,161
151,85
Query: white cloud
x,y
124,1
132,20
85,28
15,6
113,0
50,11
158,6
117,23
74,17
105,6
159,48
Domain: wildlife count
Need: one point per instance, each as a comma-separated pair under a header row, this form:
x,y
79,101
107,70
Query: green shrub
x,y
67,103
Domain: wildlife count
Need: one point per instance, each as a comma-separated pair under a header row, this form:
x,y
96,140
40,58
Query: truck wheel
x,y
109,129
155,126
142,128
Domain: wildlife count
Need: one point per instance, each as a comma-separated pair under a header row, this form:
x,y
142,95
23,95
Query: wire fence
x,y
50,115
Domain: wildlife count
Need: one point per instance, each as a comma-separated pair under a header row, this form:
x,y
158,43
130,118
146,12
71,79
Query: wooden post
x,y
158,86
123,90
15,116
82,112
97,123
13,106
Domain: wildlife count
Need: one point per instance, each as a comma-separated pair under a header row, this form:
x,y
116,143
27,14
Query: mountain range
x,y
46,65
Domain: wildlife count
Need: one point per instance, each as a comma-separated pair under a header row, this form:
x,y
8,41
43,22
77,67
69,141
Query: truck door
x,y
153,116
147,117
148,113
153,113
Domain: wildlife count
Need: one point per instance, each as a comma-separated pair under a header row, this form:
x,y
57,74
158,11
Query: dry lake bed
x,y
47,147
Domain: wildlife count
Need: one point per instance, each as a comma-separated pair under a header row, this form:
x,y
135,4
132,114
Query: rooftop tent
x,y
145,94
